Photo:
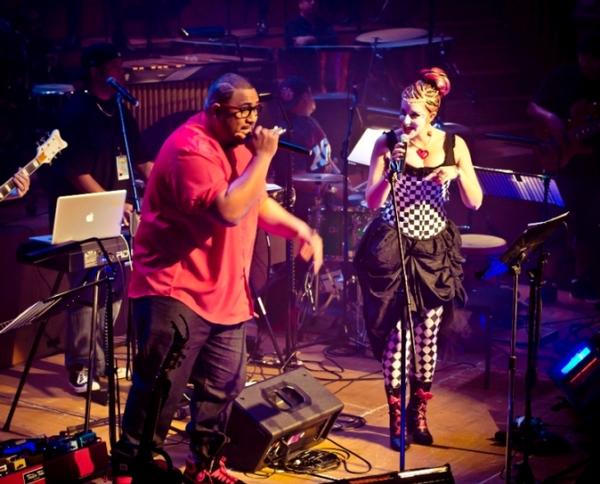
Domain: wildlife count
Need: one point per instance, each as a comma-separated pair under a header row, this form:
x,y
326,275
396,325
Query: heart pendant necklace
x,y
422,153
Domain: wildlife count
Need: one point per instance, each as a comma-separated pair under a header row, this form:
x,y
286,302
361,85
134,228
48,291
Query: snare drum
x,y
330,224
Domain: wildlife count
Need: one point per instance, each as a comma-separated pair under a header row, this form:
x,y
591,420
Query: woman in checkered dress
x,y
432,160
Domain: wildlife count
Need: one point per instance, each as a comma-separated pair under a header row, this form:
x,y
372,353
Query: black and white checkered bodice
x,y
420,203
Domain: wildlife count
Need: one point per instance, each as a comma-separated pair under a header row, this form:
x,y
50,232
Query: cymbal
x,y
390,35
318,177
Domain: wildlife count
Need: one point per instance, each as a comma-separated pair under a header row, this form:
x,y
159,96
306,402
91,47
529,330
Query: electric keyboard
x,y
74,256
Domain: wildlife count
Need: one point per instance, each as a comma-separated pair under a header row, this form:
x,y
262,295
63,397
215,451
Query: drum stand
x,y
264,323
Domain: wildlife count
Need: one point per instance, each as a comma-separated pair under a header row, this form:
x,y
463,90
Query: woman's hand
x,y
443,174
398,153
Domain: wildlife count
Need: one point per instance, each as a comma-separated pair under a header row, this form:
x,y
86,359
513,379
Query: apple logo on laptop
x,y
89,218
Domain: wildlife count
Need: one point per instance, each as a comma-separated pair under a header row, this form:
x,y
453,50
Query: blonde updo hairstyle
x,y
432,86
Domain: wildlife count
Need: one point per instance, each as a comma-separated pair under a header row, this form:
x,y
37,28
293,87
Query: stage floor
x,y
463,415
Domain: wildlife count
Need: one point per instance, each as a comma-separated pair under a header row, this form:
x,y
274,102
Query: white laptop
x,y
80,217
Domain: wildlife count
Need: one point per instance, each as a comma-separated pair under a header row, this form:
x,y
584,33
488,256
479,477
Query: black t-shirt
x,y
92,129
308,133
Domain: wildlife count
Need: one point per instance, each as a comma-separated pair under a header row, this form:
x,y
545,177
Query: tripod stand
x,y
516,254
40,312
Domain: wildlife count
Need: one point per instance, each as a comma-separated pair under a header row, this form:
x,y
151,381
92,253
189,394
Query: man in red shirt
x,y
192,253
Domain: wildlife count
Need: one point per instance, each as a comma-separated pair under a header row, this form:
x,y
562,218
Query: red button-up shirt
x,y
180,250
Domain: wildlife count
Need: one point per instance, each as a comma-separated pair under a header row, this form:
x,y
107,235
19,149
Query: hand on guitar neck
x,y
21,180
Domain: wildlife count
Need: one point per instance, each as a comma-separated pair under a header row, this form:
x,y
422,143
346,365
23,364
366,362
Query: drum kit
x,y
326,215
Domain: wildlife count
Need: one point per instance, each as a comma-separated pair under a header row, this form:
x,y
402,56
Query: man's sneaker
x,y
155,472
78,381
194,474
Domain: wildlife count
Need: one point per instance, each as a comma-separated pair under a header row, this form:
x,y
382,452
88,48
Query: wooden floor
x,y
463,415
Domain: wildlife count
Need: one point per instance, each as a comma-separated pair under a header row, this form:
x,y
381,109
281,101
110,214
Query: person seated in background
x,y
566,107
304,130
308,27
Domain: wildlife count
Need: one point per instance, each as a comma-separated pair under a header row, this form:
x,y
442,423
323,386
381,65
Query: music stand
x,y
39,311
533,237
361,153
515,185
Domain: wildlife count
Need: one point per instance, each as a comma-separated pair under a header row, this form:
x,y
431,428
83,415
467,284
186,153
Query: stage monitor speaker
x,y
429,475
277,418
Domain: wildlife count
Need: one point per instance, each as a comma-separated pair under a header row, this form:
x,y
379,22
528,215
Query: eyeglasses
x,y
244,112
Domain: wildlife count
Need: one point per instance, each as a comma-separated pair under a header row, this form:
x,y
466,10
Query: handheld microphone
x,y
122,90
287,145
397,165
265,96
301,150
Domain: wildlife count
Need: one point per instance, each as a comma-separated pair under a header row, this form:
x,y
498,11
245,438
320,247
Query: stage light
x,y
578,376
575,360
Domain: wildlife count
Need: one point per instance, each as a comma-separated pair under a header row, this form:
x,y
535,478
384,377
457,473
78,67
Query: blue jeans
x,y
213,360
77,344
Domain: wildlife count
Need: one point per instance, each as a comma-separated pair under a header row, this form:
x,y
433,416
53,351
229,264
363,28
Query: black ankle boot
x,y
393,397
416,413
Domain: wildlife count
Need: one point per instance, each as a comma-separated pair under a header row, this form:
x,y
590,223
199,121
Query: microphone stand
x,y
134,193
133,222
409,308
292,330
345,224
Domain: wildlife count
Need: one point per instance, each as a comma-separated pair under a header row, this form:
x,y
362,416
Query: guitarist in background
x,y
568,107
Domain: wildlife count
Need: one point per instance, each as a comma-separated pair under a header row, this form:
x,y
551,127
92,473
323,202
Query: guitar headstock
x,y
53,145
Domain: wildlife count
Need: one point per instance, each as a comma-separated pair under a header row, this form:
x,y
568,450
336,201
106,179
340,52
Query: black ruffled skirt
x,y
434,269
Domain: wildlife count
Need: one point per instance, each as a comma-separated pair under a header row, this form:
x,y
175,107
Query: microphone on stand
x,y
397,165
123,91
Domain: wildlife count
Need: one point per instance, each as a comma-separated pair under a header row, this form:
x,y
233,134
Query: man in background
x,y
94,161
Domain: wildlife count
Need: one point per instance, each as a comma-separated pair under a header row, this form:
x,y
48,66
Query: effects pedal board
x,y
58,459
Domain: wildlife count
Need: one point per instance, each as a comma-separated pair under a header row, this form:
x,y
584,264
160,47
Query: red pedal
x,y
85,463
